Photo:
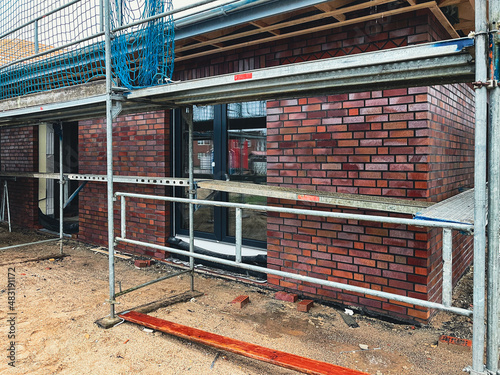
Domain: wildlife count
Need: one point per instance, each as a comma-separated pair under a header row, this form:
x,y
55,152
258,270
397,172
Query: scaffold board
x,y
367,202
457,209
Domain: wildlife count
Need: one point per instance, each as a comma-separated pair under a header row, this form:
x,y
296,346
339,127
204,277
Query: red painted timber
x,y
276,357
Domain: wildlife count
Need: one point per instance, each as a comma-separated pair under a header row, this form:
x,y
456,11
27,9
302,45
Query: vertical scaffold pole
x,y
61,189
492,334
238,234
187,113
480,189
5,204
101,15
447,267
109,157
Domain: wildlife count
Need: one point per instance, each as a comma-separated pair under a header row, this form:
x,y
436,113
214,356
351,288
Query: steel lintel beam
x,y
421,65
427,64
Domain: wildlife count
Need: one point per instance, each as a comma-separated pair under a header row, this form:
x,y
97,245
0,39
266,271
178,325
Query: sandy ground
x,y
57,303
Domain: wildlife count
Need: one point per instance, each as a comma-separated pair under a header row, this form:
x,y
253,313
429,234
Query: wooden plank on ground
x,y
105,252
29,260
275,357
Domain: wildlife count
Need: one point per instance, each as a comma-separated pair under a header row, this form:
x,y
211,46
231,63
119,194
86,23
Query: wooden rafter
x,y
201,38
293,23
465,26
445,3
466,18
261,24
427,5
328,8
444,21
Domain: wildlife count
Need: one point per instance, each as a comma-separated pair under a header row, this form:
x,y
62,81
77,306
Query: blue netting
x,y
143,55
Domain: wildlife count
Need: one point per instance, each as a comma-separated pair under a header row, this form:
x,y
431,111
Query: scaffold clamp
x,y
490,84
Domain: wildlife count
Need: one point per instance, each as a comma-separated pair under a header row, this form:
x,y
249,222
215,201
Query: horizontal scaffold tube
x,y
332,284
338,215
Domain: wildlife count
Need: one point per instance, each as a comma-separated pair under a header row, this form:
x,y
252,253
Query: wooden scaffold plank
x,y
367,202
275,357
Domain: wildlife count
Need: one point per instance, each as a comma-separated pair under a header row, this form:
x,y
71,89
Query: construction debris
x,y
142,263
51,258
305,305
455,340
288,297
349,320
241,301
105,252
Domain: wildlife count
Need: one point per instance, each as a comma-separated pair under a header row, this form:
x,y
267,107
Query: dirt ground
x,y
58,301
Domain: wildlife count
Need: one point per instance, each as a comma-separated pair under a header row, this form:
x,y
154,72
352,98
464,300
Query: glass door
x,y
203,168
229,143
246,162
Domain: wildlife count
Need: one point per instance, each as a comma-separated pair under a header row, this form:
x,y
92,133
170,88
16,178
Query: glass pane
x,y
254,223
203,151
246,162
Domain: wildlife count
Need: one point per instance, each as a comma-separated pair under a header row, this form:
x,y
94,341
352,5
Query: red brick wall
x,y
363,143
451,169
377,143
390,32
392,258
19,153
141,148
372,143
412,143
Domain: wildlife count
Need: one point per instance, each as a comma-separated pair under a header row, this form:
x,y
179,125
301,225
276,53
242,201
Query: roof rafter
x,y
293,23
261,24
428,5
329,7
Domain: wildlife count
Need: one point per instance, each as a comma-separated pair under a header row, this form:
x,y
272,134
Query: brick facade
x,y
410,143
19,153
414,143
141,147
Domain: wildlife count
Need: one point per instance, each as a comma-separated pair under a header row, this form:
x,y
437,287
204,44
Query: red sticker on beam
x,y
240,77
309,198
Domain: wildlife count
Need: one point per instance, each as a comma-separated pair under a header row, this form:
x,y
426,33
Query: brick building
x,y
410,143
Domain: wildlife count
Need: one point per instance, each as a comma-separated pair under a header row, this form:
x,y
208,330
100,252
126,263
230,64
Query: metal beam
x,y
144,180
480,157
433,63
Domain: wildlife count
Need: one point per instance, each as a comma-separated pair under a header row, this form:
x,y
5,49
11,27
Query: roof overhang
x,y
253,22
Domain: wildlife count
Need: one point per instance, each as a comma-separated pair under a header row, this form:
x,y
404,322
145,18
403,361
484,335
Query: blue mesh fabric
x,y
142,55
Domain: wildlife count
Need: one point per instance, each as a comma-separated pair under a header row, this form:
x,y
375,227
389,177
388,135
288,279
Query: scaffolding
x,y
434,63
